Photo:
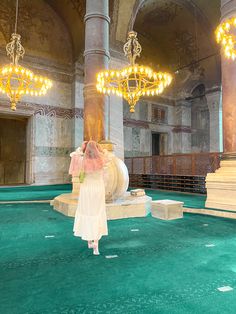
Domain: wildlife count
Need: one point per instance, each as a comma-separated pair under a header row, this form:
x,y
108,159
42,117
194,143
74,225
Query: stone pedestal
x,y
125,207
221,187
167,209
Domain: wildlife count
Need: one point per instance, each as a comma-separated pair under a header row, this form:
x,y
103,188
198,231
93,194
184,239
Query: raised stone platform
x,y
211,212
221,187
126,207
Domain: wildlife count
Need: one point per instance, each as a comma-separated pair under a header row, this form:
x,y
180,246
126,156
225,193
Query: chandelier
x,y
15,80
225,35
135,80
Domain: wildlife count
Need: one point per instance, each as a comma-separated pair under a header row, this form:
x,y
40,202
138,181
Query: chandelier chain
x,y
15,80
16,20
132,47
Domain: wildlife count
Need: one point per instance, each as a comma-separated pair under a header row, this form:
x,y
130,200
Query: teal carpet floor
x,y
190,200
161,266
32,193
48,192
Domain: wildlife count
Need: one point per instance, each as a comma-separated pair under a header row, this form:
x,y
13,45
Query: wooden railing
x,y
197,164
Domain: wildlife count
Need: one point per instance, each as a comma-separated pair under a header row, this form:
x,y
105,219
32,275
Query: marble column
x,y
96,56
221,185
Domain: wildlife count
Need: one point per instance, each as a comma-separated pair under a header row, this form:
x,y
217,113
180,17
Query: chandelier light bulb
x,y
226,38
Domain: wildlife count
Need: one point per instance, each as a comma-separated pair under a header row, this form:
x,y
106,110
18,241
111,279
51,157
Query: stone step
x,y
211,212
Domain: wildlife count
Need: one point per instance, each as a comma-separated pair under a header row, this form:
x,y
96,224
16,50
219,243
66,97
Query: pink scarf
x,y
92,160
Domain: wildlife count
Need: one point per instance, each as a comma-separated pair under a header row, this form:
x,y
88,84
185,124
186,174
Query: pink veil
x,y
94,158
75,164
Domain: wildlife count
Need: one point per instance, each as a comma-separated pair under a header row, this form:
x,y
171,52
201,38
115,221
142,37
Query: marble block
x,y
137,192
167,209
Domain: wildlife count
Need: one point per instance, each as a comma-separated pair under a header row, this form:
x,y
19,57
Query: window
x,y
159,114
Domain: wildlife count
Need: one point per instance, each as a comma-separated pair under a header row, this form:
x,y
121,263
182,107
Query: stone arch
x,y
189,48
43,32
190,5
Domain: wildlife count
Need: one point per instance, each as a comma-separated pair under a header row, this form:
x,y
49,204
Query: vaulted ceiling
x,y
177,33
174,34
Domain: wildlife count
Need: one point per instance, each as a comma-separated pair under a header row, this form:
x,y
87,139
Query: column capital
x,y
97,51
96,15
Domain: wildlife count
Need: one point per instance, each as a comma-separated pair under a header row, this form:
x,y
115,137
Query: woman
x,y
90,220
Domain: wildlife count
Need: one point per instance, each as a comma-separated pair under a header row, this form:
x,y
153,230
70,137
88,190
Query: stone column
x,y
96,59
221,185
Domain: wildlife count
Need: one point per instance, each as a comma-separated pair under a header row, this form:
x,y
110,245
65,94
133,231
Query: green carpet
x,y
33,192
48,192
162,268
190,200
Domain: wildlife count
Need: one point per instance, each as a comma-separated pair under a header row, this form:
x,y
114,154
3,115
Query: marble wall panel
x,y
45,151
116,125
78,94
215,110
136,139
53,132
143,110
145,141
171,112
128,138
78,131
60,95
51,170
182,143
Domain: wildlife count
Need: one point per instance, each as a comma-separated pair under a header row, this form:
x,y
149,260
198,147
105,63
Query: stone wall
x,y
53,117
55,121
150,117
187,126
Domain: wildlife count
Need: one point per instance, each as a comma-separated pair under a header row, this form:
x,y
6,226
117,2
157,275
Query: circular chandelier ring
x,y
147,83
17,81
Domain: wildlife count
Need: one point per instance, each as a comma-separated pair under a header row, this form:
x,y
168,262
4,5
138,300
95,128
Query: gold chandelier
x,y
225,36
133,81
15,80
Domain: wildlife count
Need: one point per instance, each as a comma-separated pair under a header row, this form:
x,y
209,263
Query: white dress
x,y
90,218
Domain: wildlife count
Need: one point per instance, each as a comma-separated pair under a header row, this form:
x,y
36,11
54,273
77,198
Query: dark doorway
x,y
155,143
12,150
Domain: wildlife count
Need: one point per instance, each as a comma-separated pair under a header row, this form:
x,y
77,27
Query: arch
x,y
199,90
43,33
190,5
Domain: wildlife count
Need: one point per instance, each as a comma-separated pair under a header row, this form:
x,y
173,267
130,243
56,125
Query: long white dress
x,y
90,218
